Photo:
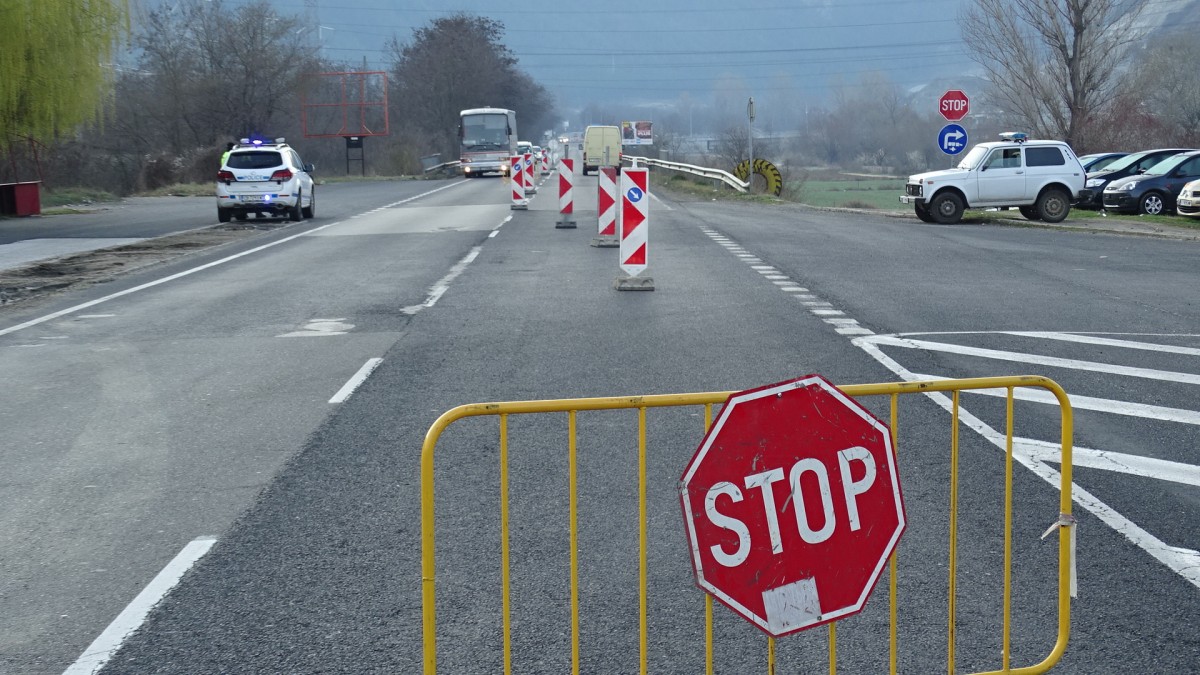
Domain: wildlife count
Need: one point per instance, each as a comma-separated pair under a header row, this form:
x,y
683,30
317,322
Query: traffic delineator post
x,y
546,162
530,187
517,181
635,231
566,181
606,208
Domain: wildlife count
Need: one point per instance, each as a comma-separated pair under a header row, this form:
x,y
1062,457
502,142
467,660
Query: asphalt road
x,y
145,427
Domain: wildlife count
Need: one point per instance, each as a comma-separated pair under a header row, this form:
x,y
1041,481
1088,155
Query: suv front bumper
x,y
909,199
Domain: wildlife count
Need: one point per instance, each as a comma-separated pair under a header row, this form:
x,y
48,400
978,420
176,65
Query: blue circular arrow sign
x,y
952,139
634,194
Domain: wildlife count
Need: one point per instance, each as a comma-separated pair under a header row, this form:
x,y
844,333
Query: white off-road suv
x,y
1040,178
266,178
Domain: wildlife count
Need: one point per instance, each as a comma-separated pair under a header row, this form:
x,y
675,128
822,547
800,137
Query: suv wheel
x,y
223,215
1152,204
310,210
946,208
923,213
294,213
1030,212
1053,206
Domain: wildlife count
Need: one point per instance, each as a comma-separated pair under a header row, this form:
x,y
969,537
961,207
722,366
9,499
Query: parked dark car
x,y
1154,191
1099,161
1092,195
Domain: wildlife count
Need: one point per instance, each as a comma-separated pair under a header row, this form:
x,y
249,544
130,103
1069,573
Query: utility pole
x,y
750,168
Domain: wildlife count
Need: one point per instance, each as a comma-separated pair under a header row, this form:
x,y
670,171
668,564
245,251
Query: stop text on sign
x,y
805,522
956,105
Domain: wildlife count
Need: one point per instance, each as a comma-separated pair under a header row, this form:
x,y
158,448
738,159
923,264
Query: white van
x,y
601,147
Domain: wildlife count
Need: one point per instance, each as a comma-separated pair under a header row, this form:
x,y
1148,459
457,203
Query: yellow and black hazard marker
x,y
765,169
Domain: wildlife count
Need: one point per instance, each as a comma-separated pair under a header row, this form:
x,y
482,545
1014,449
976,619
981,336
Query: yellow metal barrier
x,y
572,407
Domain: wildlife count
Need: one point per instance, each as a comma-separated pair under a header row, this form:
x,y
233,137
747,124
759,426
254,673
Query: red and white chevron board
x,y
566,182
530,188
607,199
518,182
635,220
545,162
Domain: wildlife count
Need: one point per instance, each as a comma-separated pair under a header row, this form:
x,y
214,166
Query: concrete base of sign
x,y
635,283
530,191
606,242
565,225
522,205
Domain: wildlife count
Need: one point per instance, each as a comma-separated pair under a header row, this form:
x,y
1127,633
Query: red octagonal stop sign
x,y
792,505
954,105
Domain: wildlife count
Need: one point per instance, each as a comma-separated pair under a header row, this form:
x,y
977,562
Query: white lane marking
x,y
1184,562
496,230
443,284
1119,462
185,273
354,382
103,647
1078,402
1108,342
1032,454
1055,362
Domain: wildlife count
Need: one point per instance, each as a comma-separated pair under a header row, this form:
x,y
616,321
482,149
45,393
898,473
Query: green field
x,y
877,193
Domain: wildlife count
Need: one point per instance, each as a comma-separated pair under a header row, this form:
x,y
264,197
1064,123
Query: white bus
x,y
487,138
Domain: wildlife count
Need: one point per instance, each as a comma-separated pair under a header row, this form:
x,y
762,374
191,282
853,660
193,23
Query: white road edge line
x,y
354,382
103,647
1184,562
180,275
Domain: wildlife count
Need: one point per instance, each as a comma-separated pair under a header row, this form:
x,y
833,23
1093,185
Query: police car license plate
x,y
1186,202
251,198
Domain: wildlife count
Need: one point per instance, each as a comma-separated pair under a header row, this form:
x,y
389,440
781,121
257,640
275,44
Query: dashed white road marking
x,y
158,282
820,308
443,284
103,647
354,382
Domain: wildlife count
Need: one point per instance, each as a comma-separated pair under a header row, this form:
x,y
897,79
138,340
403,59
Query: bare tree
x,y
1167,91
1053,64
458,62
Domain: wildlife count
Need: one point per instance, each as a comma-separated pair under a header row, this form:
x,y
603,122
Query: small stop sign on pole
x,y
792,505
954,105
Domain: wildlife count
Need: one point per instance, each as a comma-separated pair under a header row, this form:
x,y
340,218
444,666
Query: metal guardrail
x,y
704,172
443,166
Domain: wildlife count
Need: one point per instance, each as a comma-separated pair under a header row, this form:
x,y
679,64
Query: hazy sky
x,y
655,50
624,52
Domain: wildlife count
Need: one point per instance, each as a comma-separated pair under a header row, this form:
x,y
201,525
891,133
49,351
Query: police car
x,y
1040,178
265,178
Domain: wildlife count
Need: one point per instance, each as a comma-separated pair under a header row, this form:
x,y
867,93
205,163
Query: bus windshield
x,y
485,132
